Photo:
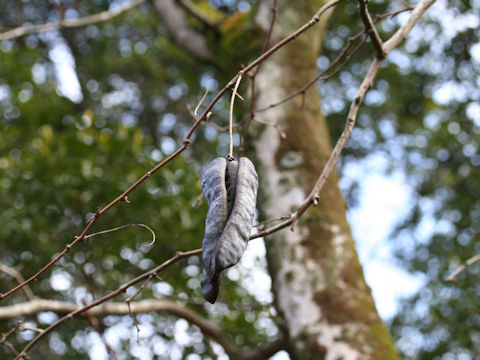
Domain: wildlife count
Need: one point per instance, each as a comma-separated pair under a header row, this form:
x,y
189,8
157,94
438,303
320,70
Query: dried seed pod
x,y
230,187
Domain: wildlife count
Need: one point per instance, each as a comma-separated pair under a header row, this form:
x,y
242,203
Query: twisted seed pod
x,y
230,187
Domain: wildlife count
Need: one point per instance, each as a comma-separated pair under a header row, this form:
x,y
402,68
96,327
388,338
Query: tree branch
x,y
371,29
16,274
141,307
462,267
402,33
70,23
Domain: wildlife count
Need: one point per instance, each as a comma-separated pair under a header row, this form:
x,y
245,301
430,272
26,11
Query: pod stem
x,y
230,126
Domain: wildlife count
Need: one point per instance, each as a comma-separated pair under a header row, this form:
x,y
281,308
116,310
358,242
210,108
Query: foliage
x,y
62,157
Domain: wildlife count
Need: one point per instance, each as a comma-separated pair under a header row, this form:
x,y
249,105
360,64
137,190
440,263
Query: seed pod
x,y
230,187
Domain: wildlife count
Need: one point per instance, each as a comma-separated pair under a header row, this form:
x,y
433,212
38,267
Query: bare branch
x,y
462,267
123,227
321,75
5,336
70,23
402,33
139,307
16,274
96,326
371,29
111,295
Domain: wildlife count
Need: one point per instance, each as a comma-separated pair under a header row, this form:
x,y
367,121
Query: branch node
x,y
370,29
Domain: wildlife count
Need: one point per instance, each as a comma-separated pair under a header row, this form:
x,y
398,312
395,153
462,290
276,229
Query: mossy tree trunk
x,y
326,308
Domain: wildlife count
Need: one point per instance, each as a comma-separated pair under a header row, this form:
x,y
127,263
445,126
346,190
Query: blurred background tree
x,y
86,111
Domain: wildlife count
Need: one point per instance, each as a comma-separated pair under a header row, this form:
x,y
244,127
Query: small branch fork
x,y
323,75
70,23
186,142
371,29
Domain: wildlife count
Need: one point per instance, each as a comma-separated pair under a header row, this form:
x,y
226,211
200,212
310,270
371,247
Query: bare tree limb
x,y
140,307
402,33
323,75
111,295
462,267
96,326
371,29
5,336
70,23
181,32
16,274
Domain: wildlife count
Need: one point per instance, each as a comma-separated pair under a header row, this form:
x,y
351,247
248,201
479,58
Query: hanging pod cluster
x,y
230,187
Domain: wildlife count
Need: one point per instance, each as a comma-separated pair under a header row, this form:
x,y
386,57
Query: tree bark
x,y
325,307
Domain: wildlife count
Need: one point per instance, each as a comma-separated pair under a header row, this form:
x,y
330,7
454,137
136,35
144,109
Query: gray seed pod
x,y
230,187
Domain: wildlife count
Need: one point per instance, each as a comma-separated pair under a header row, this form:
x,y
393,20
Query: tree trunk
x,y
325,307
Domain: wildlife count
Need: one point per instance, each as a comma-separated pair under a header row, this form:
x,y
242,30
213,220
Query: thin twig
x,y
230,127
16,274
70,23
123,288
371,29
254,76
96,326
321,75
262,224
273,124
462,267
5,336
200,102
123,227
129,300
30,328
332,160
